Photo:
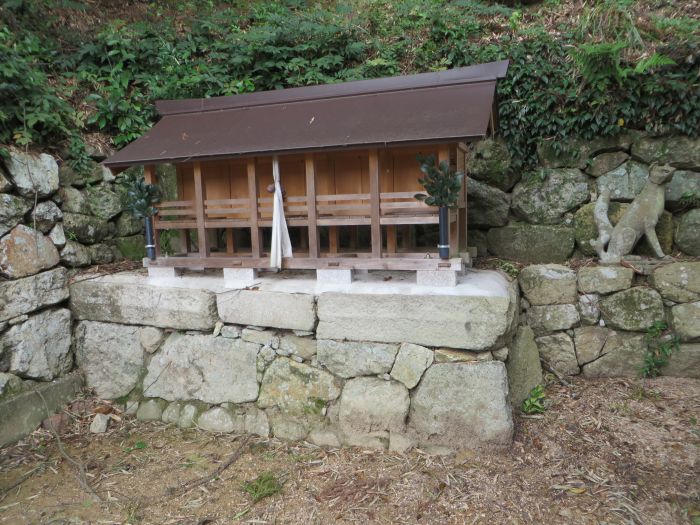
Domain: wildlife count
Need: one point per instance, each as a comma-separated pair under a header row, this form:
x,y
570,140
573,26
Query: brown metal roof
x,y
428,107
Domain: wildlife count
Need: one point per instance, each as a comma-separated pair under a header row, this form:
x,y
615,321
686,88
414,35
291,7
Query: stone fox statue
x,y
640,219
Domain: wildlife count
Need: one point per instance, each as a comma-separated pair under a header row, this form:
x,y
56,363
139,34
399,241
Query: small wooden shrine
x,y
347,159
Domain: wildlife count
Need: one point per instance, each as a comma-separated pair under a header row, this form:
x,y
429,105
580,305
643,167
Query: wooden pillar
x,y
253,198
333,239
199,210
311,204
229,241
391,238
375,203
150,177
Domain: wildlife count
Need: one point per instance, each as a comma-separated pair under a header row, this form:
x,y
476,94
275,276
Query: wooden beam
x,y
253,204
311,204
333,238
199,210
375,204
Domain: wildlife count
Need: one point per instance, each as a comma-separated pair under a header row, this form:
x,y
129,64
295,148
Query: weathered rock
x,y
664,233
575,152
130,302
103,202
684,363
232,332
557,350
171,414
304,347
448,355
548,284
622,355
543,319
74,254
588,309
471,322
133,248
678,282
501,354
31,293
39,348
73,201
350,359
489,161
411,361
604,279
128,225
32,174
687,234
84,228
462,405
529,243
369,404
605,162
486,206
150,338
624,182
57,236
203,367
585,227
69,177
5,183
589,342
217,419
286,427
261,308
99,423
151,410
12,209
678,151
635,309
45,215
25,251
544,197
10,385
477,239
100,254
296,388
323,438
110,356
188,416
683,186
523,365
685,319
261,337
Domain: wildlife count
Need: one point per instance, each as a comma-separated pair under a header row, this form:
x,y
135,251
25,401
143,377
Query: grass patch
x,y
265,485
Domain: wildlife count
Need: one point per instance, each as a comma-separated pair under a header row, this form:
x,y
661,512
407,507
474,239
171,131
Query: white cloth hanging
x,y
281,245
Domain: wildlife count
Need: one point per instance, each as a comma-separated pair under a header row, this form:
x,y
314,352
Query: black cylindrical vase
x,y
444,246
150,239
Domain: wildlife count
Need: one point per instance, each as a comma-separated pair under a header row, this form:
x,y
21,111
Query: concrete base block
x,y
332,276
21,414
436,278
162,273
235,277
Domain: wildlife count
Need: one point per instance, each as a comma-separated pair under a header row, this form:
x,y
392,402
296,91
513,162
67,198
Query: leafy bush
x,y
441,183
661,343
534,403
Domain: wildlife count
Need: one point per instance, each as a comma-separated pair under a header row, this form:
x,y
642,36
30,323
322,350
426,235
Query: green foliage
x,y
661,343
690,199
140,197
510,269
266,484
534,404
441,183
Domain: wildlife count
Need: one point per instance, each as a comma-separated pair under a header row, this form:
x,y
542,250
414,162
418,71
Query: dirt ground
x,y
606,451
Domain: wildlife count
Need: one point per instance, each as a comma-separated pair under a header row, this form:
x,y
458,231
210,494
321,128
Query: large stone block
x,y
293,311
12,210
205,368
557,350
85,228
25,251
545,196
39,348
683,184
462,405
685,319
369,404
486,206
523,365
32,174
296,388
622,356
548,318
589,342
134,302
684,363
687,234
624,182
489,162
635,309
678,282
604,279
548,284
110,356
31,293
529,243
411,362
680,152
350,359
